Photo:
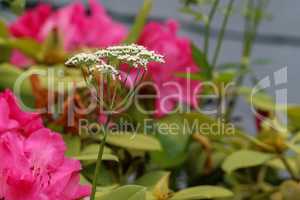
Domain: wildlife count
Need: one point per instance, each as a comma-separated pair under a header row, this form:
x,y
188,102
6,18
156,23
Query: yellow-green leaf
x,y
128,192
202,192
134,141
244,159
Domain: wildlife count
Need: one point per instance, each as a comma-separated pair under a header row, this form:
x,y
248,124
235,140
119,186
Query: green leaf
x,y
4,32
73,144
9,76
173,137
128,192
87,157
151,179
27,46
161,189
139,22
201,61
293,113
202,192
214,129
90,153
225,77
5,51
260,100
244,159
132,141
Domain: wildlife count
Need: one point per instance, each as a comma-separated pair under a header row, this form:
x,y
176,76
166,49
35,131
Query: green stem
x,y
288,167
222,32
99,159
249,38
208,24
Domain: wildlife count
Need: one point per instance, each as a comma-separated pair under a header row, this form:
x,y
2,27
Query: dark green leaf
x,y
201,61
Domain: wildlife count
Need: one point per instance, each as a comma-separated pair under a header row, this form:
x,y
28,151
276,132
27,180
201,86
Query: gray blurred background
x,y
278,39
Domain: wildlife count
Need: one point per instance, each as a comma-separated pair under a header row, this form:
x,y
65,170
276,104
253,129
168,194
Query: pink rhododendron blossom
x,y
33,165
163,39
76,27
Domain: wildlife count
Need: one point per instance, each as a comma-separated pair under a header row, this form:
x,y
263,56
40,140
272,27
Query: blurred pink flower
x,y
12,118
34,166
76,27
163,39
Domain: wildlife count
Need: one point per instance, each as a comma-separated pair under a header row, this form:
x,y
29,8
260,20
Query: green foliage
x,y
128,192
134,141
202,192
245,159
139,22
170,160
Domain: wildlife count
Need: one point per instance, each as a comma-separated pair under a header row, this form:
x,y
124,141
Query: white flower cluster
x,y
104,68
134,55
83,59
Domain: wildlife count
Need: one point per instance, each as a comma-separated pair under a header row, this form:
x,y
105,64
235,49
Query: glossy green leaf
x,y
134,141
244,159
139,22
202,192
201,61
128,192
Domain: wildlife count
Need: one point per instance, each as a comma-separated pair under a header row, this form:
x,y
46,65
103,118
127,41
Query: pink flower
x,y
29,26
13,118
34,166
163,39
76,27
31,23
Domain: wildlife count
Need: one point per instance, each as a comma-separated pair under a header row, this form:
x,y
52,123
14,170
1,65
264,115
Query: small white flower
x,y
83,59
134,55
104,68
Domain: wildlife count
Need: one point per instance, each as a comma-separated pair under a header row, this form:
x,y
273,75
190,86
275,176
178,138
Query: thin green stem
x,y
208,24
249,38
288,167
99,159
221,34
